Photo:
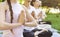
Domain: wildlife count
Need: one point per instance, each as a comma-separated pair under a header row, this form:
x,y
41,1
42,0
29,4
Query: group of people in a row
x,y
16,18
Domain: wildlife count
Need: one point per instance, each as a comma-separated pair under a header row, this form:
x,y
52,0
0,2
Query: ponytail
x,y
11,11
32,2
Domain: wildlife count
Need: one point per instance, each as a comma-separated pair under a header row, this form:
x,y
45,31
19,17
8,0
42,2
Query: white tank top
x,y
18,32
30,10
39,10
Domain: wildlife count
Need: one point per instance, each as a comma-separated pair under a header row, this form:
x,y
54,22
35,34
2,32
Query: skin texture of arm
x,y
21,18
33,14
6,26
32,22
3,24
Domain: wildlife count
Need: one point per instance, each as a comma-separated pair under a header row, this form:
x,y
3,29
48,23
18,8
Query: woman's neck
x,y
26,4
13,1
36,7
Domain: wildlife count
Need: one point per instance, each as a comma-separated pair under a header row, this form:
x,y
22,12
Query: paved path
x,y
0,35
55,34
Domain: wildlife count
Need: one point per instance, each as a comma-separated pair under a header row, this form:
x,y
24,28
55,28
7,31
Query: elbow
x,y
35,24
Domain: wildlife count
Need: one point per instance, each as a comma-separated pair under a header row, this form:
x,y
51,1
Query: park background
x,y
52,9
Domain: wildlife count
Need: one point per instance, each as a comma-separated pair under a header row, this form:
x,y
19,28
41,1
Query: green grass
x,y
55,19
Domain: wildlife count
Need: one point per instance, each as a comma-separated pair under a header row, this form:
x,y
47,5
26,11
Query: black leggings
x,y
28,33
46,22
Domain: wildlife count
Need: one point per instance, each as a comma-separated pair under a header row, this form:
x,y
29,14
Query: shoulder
x,y
3,5
2,11
21,6
32,8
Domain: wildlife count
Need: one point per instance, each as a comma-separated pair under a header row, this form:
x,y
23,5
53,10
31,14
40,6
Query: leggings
x,y
28,33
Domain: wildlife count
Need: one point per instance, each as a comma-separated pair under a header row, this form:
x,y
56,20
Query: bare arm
x,y
40,15
31,24
4,25
32,21
33,14
21,18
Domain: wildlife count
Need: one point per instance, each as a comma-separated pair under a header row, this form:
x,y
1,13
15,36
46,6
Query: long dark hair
x,y
32,2
11,11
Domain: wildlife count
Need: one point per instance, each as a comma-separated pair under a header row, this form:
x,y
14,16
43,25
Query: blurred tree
x,y
50,3
0,0
3,0
21,1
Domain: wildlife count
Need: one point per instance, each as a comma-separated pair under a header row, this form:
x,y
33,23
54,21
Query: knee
x,y
45,34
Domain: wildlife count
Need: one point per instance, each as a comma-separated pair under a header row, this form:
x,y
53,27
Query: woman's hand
x,y
6,26
38,32
15,24
21,18
31,21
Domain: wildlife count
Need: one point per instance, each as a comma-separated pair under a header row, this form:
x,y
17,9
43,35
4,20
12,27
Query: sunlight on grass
x,y
55,19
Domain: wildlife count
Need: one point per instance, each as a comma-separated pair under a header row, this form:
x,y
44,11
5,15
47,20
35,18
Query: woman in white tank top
x,y
30,9
16,8
12,10
39,13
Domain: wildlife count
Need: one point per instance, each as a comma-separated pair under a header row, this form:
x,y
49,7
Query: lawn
x,y
55,20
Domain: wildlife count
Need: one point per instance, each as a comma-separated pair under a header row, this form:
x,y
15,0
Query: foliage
x,y
0,0
55,20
